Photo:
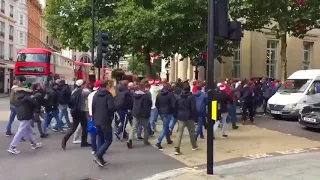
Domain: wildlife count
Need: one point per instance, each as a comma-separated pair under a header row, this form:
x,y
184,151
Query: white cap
x,y
79,82
58,81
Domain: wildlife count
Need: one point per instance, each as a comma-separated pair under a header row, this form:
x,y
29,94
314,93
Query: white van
x,y
302,88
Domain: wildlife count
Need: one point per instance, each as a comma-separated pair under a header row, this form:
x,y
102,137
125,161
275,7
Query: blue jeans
x,y
96,141
63,112
173,122
48,117
166,118
232,114
104,132
13,114
122,116
139,130
153,118
201,122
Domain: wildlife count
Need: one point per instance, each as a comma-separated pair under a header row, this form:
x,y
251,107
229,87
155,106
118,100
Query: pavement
x,y
248,141
288,167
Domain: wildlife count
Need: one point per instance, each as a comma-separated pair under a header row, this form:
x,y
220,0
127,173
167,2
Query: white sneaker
x,y
93,152
36,146
77,142
13,150
195,149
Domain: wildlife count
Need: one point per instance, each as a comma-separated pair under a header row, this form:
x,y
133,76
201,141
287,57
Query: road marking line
x,y
295,151
258,156
170,174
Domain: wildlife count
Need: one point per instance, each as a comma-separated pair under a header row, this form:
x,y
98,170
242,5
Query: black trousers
x,y
36,119
265,102
79,117
247,108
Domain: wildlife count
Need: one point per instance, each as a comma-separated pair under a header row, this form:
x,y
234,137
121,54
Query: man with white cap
x,y
78,111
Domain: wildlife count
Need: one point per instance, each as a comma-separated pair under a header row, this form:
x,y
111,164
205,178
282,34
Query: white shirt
x,y
90,98
154,90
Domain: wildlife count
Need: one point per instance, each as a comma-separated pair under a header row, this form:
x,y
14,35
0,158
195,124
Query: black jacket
x,y
25,104
64,94
247,94
223,100
165,102
142,104
39,97
102,108
185,108
51,98
123,99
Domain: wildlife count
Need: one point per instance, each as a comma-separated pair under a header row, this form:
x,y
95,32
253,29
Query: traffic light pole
x,y
93,34
210,85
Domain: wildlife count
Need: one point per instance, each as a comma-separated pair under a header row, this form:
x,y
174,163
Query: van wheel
x,y
278,117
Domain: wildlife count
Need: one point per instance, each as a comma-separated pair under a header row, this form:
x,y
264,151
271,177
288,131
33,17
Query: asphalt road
x,y
76,163
287,127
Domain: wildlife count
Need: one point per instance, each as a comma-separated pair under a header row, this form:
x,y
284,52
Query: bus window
x,y
33,58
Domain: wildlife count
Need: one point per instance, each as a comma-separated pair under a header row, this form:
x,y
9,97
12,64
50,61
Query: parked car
x,y
310,116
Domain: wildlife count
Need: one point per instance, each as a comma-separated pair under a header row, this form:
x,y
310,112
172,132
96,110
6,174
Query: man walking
x,y
78,112
102,114
25,106
142,104
64,94
13,113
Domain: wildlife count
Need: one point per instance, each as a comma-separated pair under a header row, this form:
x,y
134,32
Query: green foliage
x,y
164,27
282,17
136,65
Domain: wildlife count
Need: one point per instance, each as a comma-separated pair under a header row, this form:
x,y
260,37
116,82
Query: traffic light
x,y
102,48
221,18
235,32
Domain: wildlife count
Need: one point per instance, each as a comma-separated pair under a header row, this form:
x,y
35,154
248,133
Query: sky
x,y
43,2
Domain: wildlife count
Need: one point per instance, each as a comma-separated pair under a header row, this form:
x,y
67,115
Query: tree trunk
x,y
147,58
283,56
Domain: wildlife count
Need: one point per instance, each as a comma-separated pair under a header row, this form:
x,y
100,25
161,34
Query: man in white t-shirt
x,y
93,132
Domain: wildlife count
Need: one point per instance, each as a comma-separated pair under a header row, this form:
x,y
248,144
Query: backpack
x,y
119,100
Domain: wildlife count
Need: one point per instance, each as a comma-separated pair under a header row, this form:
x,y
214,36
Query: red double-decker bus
x,y
44,66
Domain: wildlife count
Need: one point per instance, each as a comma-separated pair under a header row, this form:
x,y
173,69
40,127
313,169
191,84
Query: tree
x,y
136,65
164,27
283,17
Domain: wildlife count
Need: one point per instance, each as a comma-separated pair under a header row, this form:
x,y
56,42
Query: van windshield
x,y
295,86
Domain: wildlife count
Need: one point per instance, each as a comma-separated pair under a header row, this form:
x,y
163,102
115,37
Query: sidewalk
x,y
247,142
288,167
4,95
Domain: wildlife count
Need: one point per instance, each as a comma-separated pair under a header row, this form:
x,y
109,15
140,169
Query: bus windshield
x,y
42,80
33,58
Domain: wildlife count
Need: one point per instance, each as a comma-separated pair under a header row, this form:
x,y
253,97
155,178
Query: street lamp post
x,y
93,34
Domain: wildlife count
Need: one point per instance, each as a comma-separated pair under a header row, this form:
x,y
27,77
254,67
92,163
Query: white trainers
x,y
195,149
77,142
36,146
13,150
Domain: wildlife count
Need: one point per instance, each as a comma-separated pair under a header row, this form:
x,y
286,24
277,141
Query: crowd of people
x,y
103,110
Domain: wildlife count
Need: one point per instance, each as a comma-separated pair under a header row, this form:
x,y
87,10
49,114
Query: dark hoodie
x,y
223,99
165,102
185,107
102,108
201,102
247,94
142,104
25,104
64,94
123,99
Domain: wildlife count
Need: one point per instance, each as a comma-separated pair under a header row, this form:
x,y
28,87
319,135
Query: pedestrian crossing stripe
x,y
214,108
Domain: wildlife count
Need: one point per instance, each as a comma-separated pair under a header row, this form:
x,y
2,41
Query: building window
x,y
1,50
2,29
21,38
11,11
11,52
11,32
21,20
236,62
3,6
271,58
307,47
